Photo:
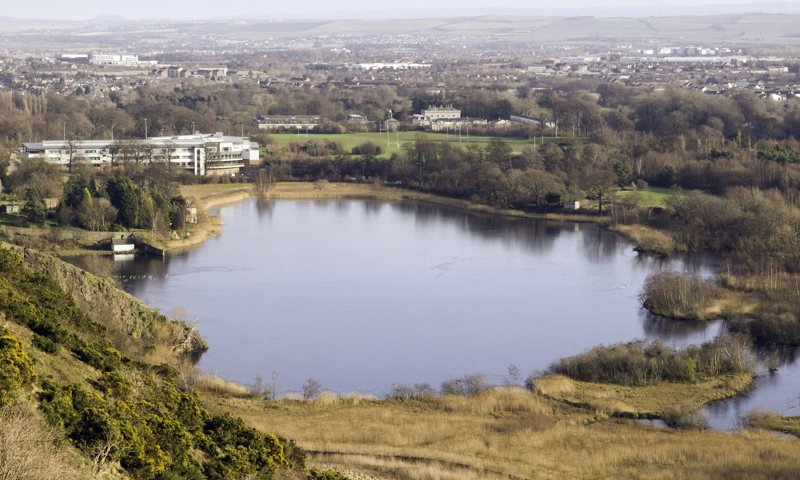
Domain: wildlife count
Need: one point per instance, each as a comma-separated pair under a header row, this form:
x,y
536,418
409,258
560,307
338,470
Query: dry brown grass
x,y
28,449
211,383
494,401
505,435
649,239
642,401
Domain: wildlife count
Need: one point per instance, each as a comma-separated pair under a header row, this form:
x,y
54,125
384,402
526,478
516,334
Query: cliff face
x,y
135,328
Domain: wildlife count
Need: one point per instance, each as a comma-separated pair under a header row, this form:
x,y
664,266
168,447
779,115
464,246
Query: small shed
x,y
123,244
572,205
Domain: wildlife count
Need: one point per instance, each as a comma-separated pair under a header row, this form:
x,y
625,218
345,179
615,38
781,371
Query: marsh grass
x,y
648,239
764,419
494,401
212,383
648,401
446,438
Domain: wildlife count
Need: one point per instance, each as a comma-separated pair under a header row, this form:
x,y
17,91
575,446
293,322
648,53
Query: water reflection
x,y
359,295
679,333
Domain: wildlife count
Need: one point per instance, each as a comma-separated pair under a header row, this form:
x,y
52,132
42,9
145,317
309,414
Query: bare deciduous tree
x,y
96,214
311,389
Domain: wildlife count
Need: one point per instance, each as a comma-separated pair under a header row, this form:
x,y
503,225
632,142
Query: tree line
x,y
140,197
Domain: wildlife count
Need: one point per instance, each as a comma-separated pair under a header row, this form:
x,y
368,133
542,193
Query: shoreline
x,y
205,197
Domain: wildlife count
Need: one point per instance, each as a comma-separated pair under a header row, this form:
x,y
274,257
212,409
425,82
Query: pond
x,y
359,295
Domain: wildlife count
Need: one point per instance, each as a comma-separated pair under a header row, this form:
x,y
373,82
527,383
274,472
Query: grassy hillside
x,y
116,414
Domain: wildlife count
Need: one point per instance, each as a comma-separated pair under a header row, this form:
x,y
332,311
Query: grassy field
x,y
510,433
395,140
652,197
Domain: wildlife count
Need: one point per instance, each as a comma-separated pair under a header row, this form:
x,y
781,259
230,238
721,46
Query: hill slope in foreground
x,y
93,384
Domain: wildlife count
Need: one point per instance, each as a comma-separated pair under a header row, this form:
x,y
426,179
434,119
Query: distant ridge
x,y
642,10
553,10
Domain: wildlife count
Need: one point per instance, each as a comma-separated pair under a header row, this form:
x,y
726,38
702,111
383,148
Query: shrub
x,y
115,384
468,385
367,148
45,344
648,363
16,368
679,296
315,474
311,389
406,392
686,419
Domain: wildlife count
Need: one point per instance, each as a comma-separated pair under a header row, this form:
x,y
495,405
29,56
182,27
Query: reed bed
x,y
212,383
505,435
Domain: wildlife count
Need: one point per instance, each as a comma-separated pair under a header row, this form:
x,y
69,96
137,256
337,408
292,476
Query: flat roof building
x,y
275,122
201,154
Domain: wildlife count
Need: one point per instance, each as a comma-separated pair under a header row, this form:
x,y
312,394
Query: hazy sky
x,y
207,9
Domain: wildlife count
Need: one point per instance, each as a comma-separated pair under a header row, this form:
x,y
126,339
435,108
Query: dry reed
x,y
217,385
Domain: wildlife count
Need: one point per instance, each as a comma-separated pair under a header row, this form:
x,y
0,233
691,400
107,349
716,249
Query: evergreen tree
x,y
35,208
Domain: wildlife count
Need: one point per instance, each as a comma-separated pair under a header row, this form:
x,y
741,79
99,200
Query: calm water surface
x,y
359,295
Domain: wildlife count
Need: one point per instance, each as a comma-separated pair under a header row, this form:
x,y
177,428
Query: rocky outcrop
x,y
135,328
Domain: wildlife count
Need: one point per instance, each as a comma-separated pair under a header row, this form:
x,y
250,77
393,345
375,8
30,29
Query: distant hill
x,y
286,14
717,25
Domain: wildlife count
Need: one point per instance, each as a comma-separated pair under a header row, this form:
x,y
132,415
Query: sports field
x,y
393,141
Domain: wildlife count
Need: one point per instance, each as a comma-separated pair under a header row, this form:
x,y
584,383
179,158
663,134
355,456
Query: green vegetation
x,y
126,412
671,169
652,197
16,368
389,144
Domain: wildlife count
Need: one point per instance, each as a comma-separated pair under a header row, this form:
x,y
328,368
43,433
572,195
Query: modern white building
x,y
201,154
111,59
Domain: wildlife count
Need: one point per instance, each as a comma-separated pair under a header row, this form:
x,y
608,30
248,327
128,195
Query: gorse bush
x,y
648,363
156,431
16,368
131,413
39,303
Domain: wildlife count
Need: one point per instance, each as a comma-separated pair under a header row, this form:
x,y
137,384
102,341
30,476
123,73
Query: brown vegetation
x,y
510,434
650,363
28,448
686,297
